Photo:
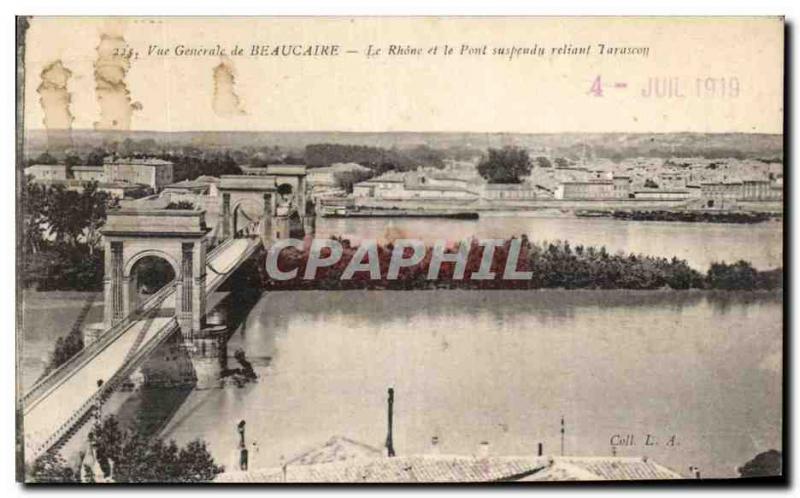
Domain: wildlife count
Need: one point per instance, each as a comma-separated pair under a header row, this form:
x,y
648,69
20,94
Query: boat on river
x,y
343,212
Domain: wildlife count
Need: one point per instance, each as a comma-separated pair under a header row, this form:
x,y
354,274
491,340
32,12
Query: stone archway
x,y
175,235
242,190
146,273
244,212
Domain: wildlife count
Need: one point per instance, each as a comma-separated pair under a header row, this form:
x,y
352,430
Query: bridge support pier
x,y
175,236
310,225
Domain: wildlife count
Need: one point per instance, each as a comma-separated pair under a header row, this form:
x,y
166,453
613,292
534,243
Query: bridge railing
x,y
62,372
102,391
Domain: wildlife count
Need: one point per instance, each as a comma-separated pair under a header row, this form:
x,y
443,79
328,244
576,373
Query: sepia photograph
x,y
400,250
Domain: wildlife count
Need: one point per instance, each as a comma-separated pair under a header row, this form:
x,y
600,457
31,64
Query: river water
x,y
503,367
699,243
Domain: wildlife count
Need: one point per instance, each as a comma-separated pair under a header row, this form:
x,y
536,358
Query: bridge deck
x,y
59,401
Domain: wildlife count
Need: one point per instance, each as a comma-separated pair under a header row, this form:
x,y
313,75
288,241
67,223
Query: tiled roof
x,y
392,176
603,469
148,161
450,468
336,449
87,168
438,188
411,469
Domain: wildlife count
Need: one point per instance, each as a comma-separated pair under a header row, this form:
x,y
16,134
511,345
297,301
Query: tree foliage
x,y
378,159
346,179
139,459
506,165
553,265
61,236
51,468
133,457
765,464
180,205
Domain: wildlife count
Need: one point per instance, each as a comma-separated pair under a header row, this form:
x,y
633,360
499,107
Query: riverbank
x,y
517,263
741,217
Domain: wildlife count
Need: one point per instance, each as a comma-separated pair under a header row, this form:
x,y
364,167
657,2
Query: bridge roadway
x,y
57,405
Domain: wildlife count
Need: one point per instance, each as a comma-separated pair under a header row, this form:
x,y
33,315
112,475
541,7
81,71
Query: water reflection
x,y
503,366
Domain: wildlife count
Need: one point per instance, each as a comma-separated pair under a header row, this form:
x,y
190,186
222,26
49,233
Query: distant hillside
x,y
568,144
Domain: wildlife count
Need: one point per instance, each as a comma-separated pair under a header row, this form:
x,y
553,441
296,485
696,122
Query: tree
x,y
180,205
95,157
765,464
138,459
649,183
51,468
93,208
561,162
34,221
71,214
72,160
738,276
285,190
543,162
62,214
346,179
45,158
506,165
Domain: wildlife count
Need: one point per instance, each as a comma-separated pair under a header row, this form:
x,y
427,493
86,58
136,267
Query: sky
x,y
725,75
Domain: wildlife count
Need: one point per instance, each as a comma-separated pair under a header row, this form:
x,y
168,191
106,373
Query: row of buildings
x,y
126,177
427,185
120,177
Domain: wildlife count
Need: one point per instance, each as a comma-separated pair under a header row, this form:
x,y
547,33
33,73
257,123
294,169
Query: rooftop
x,y
457,468
286,169
390,177
145,161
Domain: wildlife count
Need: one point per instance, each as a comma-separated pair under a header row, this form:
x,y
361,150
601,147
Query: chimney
x,y
540,450
483,450
389,438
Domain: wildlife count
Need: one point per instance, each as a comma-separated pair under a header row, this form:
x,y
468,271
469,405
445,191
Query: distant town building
x,y
325,177
89,173
593,189
759,190
716,194
155,173
119,190
721,191
657,194
44,172
515,192
672,180
622,187
118,177
414,186
189,190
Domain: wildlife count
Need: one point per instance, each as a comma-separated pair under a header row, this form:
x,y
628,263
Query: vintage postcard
x,y
399,249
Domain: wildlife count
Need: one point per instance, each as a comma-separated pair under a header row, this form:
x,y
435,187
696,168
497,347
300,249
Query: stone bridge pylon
x,y
174,235
180,237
